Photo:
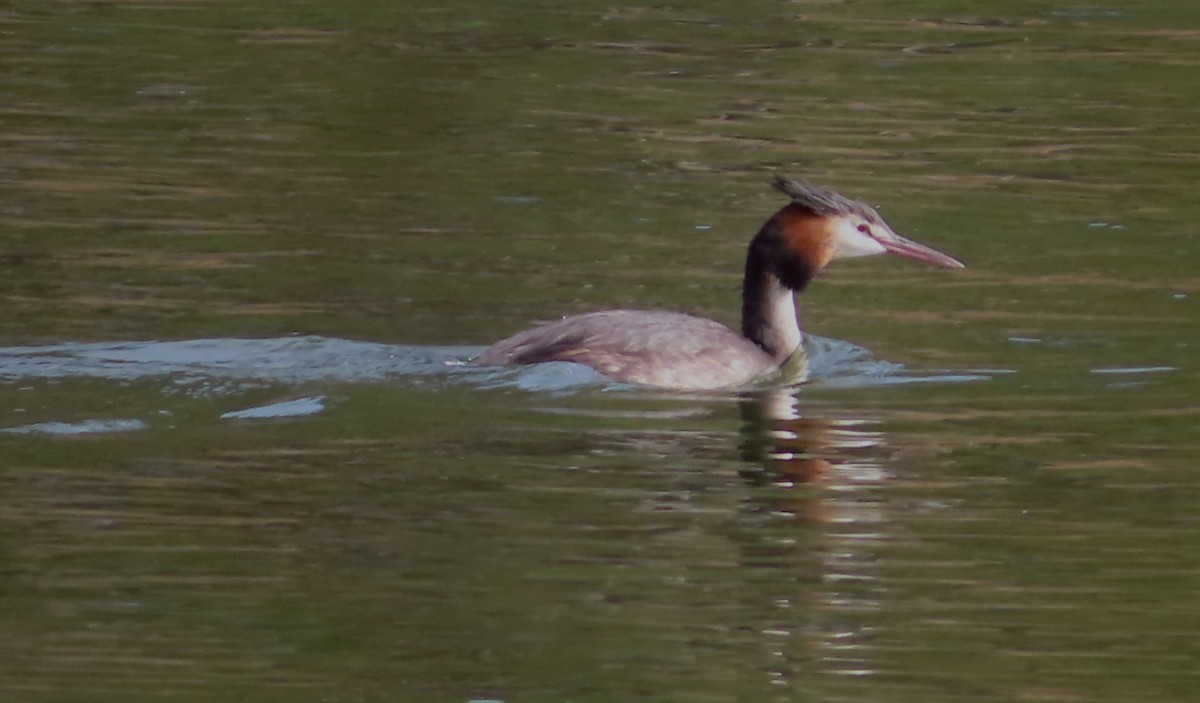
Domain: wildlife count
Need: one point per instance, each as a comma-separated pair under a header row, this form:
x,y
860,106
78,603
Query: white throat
x,y
782,318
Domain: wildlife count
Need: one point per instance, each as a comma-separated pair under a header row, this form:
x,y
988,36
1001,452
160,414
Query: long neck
x,y
768,306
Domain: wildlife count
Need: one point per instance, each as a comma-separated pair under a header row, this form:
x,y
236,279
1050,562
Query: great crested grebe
x,y
674,350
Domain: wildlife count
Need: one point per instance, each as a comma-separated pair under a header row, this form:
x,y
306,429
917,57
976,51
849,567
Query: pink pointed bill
x,y
909,249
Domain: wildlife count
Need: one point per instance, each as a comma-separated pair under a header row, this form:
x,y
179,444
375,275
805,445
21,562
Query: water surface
x,y
239,246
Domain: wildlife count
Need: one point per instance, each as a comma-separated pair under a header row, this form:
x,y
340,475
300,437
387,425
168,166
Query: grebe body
x,y
649,347
674,350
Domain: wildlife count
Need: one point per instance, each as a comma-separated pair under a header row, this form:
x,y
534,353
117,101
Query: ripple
x,y
77,428
224,366
282,359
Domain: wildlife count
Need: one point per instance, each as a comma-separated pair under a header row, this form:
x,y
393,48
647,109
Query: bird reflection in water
x,y
815,510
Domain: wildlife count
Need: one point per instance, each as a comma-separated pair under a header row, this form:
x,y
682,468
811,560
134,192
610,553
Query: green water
x,y
448,174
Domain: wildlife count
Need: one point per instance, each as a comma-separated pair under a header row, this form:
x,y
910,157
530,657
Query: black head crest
x,y
822,201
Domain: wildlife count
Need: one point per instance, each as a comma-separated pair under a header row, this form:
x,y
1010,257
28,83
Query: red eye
x,y
864,229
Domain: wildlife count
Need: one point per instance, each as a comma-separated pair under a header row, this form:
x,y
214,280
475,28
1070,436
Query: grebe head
x,y
820,226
